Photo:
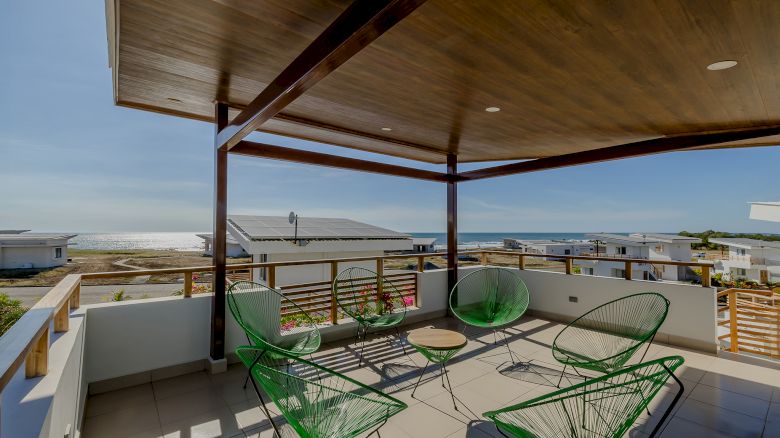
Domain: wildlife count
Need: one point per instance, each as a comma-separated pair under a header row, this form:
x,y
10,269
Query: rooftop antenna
x,y
293,219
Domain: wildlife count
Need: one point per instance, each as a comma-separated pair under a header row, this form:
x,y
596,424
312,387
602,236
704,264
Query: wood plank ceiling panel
x,y
568,76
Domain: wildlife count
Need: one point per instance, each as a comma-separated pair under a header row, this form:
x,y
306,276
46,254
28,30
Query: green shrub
x,y
10,312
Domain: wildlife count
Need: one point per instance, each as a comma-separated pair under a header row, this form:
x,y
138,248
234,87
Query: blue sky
x,y
72,161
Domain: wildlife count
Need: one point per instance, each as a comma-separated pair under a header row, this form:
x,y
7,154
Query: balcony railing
x,y
28,340
752,318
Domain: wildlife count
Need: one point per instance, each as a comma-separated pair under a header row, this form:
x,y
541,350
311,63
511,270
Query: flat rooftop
x,y
668,238
309,228
620,238
18,238
745,243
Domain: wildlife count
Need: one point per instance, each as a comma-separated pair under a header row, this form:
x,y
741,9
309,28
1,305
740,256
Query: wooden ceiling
x,y
568,76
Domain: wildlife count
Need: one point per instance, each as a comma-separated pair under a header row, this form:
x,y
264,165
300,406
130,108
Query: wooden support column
x,y
420,264
705,276
62,318
452,221
380,272
37,362
75,297
733,328
271,281
521,262
568,266
334,314
187,284
219,250
628,270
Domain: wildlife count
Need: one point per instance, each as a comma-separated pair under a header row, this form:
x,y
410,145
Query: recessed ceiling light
x,y
492,109
387,129
721,65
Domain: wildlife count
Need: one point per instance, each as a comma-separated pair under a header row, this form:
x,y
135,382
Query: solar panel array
x,y
310,228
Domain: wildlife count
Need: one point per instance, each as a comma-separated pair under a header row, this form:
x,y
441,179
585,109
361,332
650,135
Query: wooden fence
x,y
752,318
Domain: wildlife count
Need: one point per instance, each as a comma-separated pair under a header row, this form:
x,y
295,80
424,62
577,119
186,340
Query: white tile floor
x,y
722,397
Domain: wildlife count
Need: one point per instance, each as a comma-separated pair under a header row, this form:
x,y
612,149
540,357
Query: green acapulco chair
x,y
606,406
258,310
354,290
605,338
490,298
315,401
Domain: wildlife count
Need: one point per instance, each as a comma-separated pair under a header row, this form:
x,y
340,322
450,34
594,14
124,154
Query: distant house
x,y
273,239
234,249
423,244
549,247
650,246
33,250
749,259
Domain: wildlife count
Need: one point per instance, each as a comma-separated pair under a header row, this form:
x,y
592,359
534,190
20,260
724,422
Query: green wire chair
x,y
490,298
355,292
258,310
315,401
605,338
606,406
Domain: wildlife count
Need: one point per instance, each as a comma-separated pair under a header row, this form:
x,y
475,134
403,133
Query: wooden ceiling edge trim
x,y
200,118
358,26
263,150
628,150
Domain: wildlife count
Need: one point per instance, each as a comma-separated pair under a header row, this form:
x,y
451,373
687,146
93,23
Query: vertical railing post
x,y
483,258
334,272
452,221
568,266
628,270
271,282
75,297
380,272
420,263
417,296
62,318
521,262
219,247
187,284
733,329
37,361
705,276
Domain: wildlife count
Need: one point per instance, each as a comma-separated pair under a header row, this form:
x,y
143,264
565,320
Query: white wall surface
x,y
31,257
287,275
46,406
690,322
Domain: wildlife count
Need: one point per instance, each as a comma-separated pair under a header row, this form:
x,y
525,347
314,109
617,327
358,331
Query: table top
x,y
438,339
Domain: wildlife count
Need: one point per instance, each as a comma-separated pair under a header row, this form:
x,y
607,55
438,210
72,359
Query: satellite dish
x,y
291,217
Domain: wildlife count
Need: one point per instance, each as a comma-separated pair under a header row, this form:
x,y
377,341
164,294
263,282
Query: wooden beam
x,y
219,246
636,149
357,27
452,222
306,157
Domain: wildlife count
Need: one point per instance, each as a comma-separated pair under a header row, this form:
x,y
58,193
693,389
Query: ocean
x,y
191,242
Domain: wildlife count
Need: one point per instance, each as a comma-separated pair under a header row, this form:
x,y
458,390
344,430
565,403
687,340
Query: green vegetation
x,y
706,235
10,312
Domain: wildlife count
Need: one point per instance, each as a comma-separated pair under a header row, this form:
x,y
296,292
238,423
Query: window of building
x,y
740,271
619,273
741,251
57,253
264,271
620,250
567,251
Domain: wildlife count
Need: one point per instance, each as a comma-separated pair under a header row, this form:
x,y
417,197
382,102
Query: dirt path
x,y
134,280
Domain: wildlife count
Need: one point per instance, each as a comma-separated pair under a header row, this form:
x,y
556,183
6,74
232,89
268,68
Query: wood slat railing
x,y
752,318
28,340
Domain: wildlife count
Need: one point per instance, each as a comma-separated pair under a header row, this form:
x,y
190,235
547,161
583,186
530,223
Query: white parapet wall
x,y
691,321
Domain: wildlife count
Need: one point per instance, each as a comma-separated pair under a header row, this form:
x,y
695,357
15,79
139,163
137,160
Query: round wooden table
x,y
438,346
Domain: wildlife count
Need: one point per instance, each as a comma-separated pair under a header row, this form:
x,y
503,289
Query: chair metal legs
x,y
668,411
265,409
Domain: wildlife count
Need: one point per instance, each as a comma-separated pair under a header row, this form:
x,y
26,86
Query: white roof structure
x,y
13,231
545,242
740,242
309,228
209,236
668,238
765,211
34,237
622,239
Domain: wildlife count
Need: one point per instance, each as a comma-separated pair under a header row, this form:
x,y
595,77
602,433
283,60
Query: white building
x,y
33,250
423,245
234,249
620,246
749,259
671,247
650,246
550,247
273,239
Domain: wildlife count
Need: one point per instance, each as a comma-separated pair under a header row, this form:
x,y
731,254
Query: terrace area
x,y
442,83
723,396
